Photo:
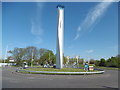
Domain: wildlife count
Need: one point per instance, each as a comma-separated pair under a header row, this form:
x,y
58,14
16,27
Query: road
x,y
12,79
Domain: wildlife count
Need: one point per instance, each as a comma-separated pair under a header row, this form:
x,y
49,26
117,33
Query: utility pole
x,y
49,56
77,57
6,53
32,59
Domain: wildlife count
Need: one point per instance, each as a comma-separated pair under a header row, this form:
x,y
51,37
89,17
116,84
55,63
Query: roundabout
x,y
18,80
64,71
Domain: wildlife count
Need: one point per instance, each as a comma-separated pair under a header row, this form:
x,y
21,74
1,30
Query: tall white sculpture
x,y
60,36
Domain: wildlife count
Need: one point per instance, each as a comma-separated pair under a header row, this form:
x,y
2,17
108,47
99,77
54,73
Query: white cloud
x,y
36,23
89,51
93,17
36,29
79,28
77,36
38,40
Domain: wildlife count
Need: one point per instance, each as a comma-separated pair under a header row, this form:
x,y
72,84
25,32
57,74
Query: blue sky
x,y
91,28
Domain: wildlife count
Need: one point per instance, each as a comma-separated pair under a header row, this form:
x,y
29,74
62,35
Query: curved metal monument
x,y
60,36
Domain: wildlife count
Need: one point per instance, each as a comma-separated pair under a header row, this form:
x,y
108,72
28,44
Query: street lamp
x,y
49,56
77,57
6,53
32,59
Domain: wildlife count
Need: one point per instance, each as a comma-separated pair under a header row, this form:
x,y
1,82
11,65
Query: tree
x,y
80,61
64,60
102,62
47,58
113,62
42,51
71,60
97,62
18,54
118,59
92,61
53,59
31,52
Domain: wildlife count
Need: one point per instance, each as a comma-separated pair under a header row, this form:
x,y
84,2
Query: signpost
x,y
91,68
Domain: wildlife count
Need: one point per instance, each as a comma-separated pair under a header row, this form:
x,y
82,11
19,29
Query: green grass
x,y
109,68
58,70
37,66
15,66
53,73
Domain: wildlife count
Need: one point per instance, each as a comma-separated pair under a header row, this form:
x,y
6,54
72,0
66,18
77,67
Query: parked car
x,y
45,66
54,66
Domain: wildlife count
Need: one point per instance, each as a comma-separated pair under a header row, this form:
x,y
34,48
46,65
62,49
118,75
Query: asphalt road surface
x,y
12,79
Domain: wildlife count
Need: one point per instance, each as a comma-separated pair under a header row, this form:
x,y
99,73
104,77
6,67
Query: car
x,y
54,66
45,66
26,66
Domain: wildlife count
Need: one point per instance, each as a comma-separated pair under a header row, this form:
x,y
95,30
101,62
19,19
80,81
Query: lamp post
x,y
77,57
49,56
32,59
6,53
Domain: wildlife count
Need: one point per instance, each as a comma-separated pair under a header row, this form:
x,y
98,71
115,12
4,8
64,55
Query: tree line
x,y
32,55
110,62
41,56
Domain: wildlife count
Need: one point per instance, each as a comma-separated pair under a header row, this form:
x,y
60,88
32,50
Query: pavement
x,y
12,79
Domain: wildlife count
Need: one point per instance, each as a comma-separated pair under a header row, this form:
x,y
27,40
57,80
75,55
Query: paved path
x,y
12,79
